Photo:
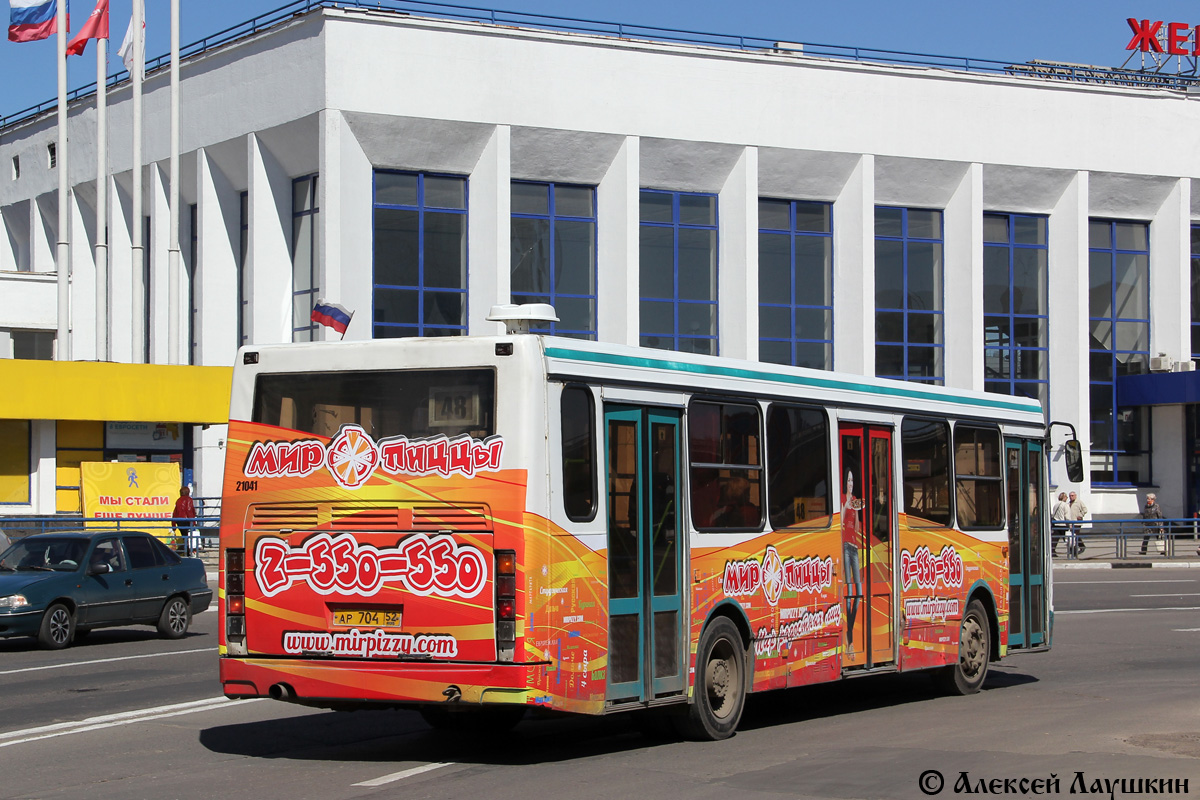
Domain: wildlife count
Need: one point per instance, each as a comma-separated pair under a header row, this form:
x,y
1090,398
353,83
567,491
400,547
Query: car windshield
x,y
62,555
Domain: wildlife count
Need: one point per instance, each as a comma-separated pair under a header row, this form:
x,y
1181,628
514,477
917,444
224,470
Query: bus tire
x,y
719,694
966,676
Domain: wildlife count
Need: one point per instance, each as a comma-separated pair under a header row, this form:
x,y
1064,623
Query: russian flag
x,y
31,20
331,315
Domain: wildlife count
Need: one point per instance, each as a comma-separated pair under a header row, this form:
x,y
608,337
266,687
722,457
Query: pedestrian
x,y
1078,512
184,513
1152,520
1059,516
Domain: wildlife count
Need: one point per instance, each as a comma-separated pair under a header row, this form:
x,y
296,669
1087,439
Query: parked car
x,y
60,586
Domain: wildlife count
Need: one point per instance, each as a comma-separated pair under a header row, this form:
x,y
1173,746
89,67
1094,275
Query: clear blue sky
x,y
1093,32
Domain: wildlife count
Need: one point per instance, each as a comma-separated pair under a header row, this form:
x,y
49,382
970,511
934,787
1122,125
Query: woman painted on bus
x,y
851,569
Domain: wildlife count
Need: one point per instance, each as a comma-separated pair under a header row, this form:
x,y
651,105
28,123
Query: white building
x,y
988,230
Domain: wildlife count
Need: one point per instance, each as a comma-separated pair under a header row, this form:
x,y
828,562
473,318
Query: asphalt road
x,y
127,715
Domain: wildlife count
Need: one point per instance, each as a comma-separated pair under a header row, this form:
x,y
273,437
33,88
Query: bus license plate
x,y
367,617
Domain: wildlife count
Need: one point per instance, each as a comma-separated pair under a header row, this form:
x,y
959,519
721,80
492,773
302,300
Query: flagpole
x,y
174,323
63,246
139,67
101,199
347,327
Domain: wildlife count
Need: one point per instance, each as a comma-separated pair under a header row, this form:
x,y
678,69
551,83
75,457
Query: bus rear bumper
x,y
318,682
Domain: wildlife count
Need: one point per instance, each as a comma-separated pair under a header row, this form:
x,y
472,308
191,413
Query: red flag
x,y
96,27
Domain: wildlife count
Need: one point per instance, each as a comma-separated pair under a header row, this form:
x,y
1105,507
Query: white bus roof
x,y
639,366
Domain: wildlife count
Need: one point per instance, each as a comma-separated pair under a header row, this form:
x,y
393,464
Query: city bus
x,y
473,527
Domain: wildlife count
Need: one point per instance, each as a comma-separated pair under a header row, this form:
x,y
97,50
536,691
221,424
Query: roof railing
x,y
1039,69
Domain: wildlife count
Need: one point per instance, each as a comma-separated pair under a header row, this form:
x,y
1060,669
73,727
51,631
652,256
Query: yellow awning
x,y
91,390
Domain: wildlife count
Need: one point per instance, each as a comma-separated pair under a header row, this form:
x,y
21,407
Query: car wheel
x,y
175,618
58,627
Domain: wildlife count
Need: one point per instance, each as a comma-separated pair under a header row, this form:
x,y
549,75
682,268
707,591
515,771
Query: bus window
x,y
797,465
925,450
412,403
726,466
578,454
978,487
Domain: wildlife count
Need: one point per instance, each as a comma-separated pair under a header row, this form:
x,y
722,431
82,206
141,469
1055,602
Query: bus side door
x,y
646,629
867,544
1026,549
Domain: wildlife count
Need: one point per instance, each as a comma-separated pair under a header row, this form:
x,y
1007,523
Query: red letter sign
x,y
1145,36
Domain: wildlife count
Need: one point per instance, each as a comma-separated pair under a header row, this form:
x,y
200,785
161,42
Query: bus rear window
x,y
411,403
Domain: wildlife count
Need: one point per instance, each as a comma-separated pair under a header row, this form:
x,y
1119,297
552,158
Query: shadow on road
x,y
391,735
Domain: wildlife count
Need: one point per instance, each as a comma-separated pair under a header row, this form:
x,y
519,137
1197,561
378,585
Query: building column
x,y
962,282
1070,399
1171,335
1171,275
43,457
43,232
854,271
489,233
14,237
737,264
83,278
269,260
347,230
218,239
121,305
617,247
159,244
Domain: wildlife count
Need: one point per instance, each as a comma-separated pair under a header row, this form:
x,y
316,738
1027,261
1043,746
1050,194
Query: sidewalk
x,y
1133,562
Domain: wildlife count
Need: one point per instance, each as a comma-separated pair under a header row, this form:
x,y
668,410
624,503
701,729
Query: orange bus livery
x,y
477,526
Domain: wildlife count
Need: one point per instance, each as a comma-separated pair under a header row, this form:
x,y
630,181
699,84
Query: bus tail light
x,y
506,604
235,602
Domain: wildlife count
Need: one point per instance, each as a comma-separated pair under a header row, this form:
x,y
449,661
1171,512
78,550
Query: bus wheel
x,y
720,691
974,652
472,720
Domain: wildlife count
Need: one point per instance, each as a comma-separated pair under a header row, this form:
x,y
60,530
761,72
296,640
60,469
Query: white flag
x,y
126,51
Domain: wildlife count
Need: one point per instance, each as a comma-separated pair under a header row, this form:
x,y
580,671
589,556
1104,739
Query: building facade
x,y
1013,233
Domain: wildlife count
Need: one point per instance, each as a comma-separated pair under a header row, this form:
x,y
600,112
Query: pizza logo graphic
x,y
351,457
772,575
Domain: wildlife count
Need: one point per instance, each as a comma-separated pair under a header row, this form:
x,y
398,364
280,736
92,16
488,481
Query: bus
x,y
473,527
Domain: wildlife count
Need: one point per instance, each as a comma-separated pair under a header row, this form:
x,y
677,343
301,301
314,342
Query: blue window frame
x,y
305,252
795,283
1196,292
1119,324
1016,305
909,338
554,253
420,258
678,272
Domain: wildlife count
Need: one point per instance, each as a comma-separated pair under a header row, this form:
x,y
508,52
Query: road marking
x,y
1119,610
408,773
1106,583
1185,630
106,660
115,720
1173,594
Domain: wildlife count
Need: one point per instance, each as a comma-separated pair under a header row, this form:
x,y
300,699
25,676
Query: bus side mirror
x,y
1074,456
